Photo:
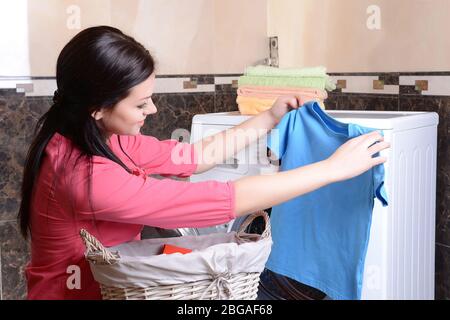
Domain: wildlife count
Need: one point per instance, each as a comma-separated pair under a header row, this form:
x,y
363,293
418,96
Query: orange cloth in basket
x,y
168,249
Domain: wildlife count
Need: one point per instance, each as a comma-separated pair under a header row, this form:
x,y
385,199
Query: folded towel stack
x,y
260,86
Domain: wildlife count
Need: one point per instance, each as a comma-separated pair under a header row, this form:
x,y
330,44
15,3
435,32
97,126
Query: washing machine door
x,y
273,286
155,232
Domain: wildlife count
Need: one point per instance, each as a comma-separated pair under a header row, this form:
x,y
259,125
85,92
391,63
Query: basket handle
x,y
93,246
253,216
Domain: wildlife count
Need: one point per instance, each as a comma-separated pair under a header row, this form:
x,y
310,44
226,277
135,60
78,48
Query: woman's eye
x,y
142,106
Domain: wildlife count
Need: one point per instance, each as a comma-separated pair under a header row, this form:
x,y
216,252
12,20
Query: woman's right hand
x,y
355,156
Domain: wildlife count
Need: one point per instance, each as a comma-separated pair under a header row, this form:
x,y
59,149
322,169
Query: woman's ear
x,y
97,115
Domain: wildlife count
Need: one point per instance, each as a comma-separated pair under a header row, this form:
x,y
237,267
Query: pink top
x,y
120,204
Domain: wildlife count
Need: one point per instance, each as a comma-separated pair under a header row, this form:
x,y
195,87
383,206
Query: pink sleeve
x,y
119,196
163,157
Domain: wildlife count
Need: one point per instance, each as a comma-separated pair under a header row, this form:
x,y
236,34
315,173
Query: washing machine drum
x,y
155,232
273,286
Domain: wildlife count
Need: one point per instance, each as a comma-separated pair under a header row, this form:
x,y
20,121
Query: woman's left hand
x,y
283,105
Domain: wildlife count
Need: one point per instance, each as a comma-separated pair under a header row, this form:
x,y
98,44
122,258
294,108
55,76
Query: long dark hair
x,y
95,70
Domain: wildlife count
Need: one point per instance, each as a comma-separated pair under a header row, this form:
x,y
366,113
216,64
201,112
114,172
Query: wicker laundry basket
x,y
223,266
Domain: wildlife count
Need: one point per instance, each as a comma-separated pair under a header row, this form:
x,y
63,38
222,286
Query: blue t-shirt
x,y
320,238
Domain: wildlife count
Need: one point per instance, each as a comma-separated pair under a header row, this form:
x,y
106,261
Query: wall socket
x,y
272,60
273,47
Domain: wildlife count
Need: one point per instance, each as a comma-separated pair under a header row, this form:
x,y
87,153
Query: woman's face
x,y
128,115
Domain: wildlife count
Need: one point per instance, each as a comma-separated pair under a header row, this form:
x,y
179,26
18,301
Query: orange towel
x,y
274,92
169,249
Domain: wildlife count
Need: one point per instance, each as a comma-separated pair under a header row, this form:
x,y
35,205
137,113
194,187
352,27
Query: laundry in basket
x,y
220,266
169,249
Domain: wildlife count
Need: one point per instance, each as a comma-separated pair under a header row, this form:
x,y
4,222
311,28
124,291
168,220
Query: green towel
x,y
323,83
265,71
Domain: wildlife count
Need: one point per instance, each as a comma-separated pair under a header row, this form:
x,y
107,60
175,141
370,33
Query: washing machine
x,y
400,256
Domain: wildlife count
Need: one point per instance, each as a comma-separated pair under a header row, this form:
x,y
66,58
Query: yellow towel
x,y
248,105
252,106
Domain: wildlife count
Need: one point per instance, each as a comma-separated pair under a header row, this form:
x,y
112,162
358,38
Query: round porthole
x,y
273,286
155,232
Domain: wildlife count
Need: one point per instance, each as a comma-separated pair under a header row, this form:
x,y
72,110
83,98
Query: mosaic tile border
x,y
403,83
393,83
45,86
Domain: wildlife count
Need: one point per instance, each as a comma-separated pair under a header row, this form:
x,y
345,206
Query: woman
x,y
88,165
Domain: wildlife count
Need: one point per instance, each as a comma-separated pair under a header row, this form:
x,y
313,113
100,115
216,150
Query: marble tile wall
x,y
18,115
19,112
177,105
